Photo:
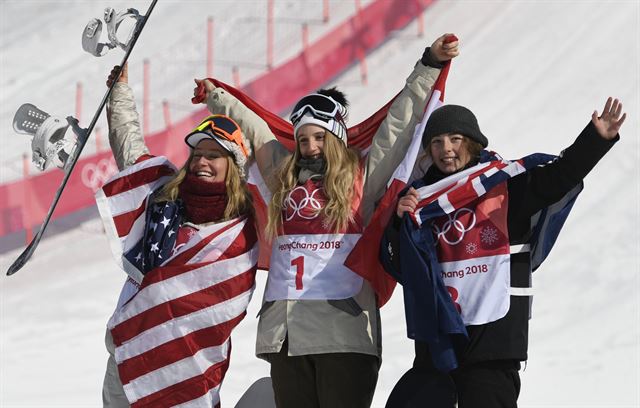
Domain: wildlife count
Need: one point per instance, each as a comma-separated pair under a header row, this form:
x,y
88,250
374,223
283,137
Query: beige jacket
x,y
125,138
349,325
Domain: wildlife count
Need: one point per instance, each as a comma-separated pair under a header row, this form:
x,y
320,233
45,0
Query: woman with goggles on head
x,y
319,325
187,240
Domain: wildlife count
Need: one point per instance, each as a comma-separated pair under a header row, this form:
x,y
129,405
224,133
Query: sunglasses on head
x,y
223,127
320,106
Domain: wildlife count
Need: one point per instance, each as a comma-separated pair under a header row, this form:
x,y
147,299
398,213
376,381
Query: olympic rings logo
x,y
94,175
308,201
457,225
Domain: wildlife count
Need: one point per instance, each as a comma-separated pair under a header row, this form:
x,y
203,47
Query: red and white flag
x,y
360,259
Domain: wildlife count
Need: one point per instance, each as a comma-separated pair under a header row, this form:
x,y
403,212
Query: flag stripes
x,y
172,337
359,260
457,190
182,306
206,386
125,222
177,349
224,235
126,182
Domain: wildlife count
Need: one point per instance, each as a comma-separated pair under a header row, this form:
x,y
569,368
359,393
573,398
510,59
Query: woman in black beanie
x,y
463,244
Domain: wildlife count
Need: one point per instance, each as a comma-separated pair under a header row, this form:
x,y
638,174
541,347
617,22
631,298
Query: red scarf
x,y
203,201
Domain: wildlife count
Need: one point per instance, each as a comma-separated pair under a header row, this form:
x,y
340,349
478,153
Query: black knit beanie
x,y
453,119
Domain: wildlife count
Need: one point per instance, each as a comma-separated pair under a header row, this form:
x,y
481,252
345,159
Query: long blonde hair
x,y
338,184
238,197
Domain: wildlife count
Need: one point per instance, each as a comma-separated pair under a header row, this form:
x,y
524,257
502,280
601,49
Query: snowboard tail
x,y
258,395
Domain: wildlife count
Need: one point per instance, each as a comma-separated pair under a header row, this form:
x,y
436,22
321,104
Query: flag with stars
x,y
172,337
158,242
123,202
431,315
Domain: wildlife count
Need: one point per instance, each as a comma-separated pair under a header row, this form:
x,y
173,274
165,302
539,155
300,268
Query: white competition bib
x,y
473,250
310,266
479,287
307,258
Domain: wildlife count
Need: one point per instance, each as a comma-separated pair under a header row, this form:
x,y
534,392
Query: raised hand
x,y
208,87
442,51
609,122
408,202
124,75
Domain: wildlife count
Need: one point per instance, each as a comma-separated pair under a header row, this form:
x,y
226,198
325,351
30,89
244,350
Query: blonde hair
x,y
238,197
338,184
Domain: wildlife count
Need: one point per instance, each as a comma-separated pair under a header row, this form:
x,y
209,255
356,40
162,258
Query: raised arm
x,y
268,151
393,138
125,137
544,185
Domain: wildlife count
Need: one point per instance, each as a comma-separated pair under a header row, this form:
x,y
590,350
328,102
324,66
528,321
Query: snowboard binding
x,y
50,143
91,34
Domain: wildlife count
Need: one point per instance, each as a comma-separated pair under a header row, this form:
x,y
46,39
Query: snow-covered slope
x,y
531,71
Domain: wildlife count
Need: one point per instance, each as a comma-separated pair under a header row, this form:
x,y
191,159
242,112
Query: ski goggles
x,y
219,127
320,106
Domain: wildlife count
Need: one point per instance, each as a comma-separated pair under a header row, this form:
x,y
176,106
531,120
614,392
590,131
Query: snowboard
x,y
72,159
258,395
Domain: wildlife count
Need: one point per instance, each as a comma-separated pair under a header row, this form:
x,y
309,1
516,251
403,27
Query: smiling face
x,y
209,161
311,141
450,152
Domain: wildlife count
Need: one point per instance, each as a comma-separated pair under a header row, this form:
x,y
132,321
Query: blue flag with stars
x,y
157,244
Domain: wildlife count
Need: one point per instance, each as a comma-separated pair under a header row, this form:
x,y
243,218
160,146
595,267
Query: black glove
x,y
428,60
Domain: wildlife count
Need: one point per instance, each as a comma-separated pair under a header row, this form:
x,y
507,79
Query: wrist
x,y
428,60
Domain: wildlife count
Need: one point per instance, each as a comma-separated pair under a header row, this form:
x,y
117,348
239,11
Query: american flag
x,y
172,337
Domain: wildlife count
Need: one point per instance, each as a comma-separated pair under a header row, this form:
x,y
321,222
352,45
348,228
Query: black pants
x,y
491,384
331,380
420,388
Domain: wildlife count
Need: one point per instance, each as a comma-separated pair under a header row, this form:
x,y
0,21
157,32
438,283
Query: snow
x,y
533,72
